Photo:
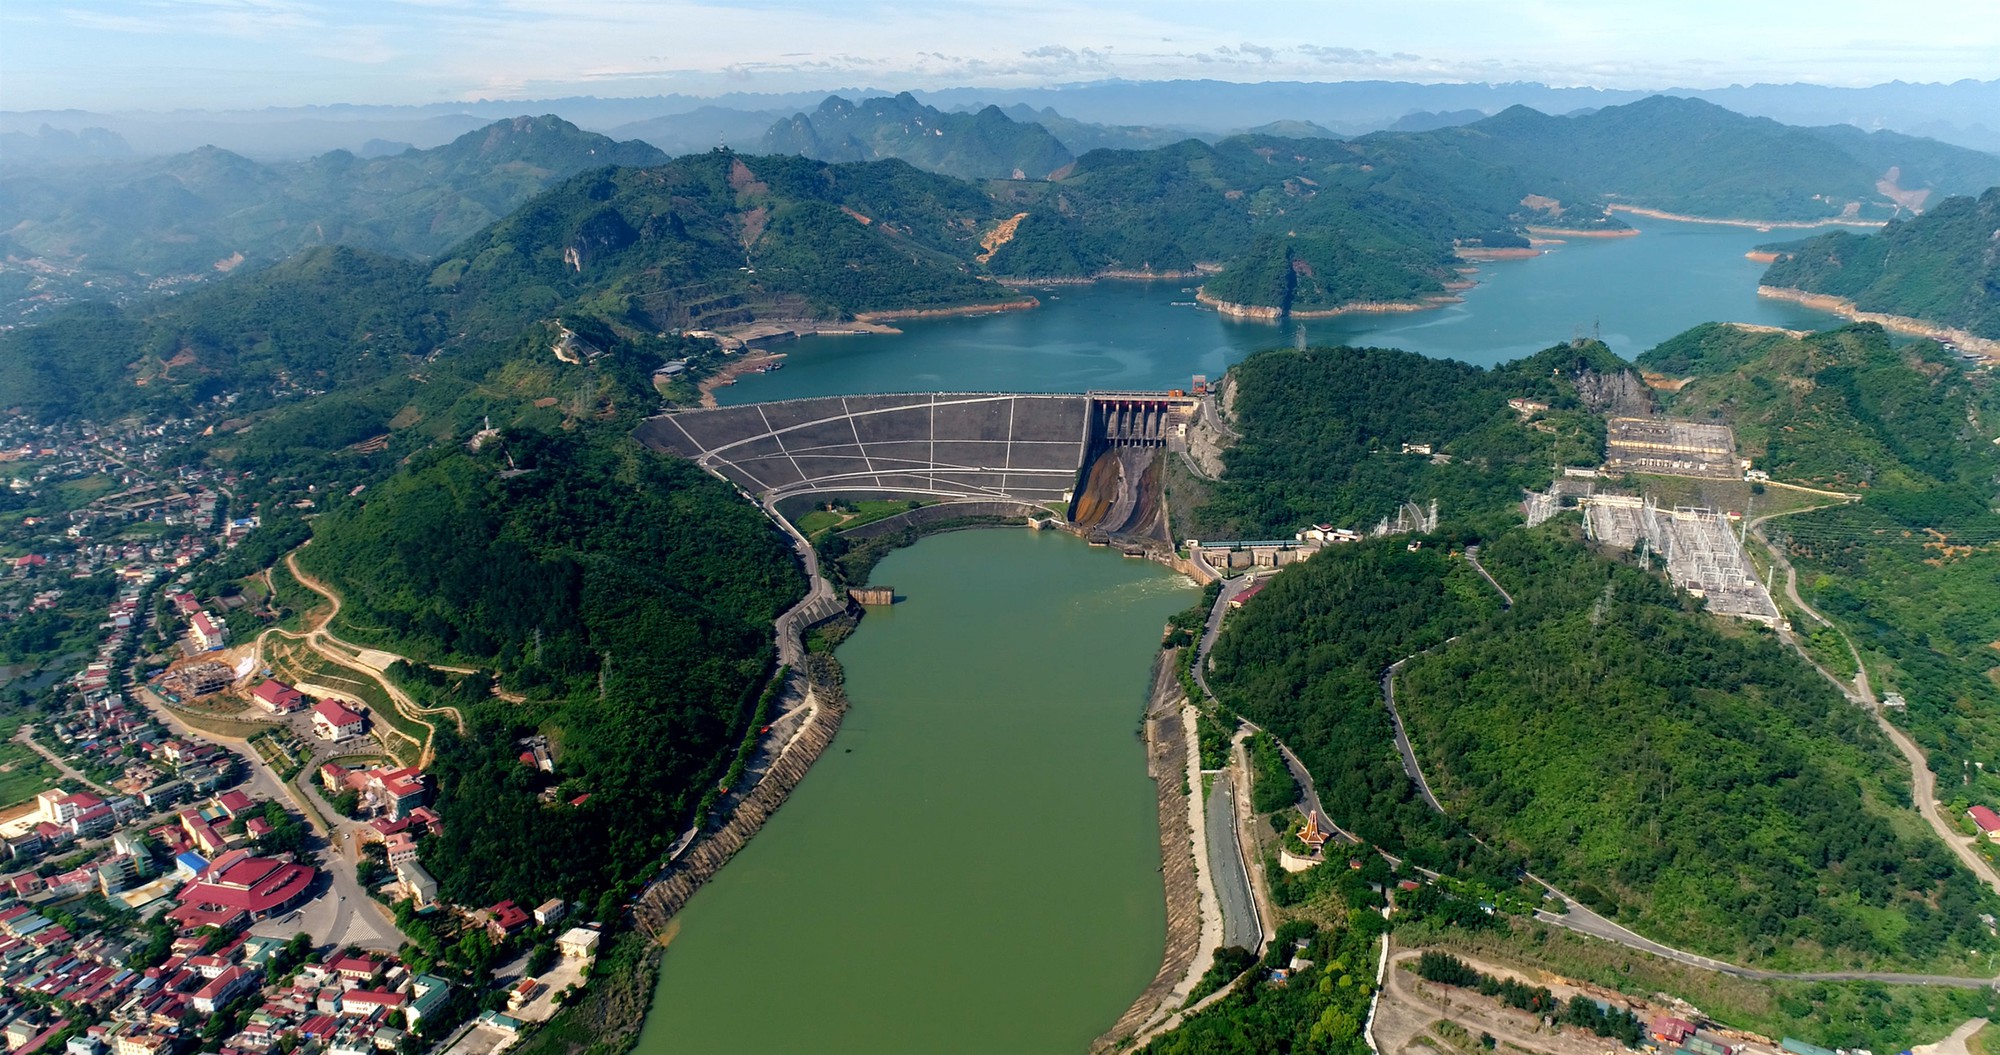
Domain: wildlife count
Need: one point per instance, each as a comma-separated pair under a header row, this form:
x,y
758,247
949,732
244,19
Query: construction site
x,y
1702,550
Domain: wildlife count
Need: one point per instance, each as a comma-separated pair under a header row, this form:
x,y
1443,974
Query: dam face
x,y
1030,448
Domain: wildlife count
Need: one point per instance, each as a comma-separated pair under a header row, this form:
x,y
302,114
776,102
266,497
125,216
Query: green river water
x,y
973,866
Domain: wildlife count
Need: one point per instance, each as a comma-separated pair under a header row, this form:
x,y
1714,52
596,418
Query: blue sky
x,y
162,54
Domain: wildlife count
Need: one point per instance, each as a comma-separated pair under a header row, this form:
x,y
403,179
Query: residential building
x,y
1987,821
578,943
331,721
278,697
207,633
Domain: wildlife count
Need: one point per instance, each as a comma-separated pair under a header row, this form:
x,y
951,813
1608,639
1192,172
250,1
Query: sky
x,y
242,54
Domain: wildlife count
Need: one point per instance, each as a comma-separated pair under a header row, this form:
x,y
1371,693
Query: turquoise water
x,y
1636,292
974,865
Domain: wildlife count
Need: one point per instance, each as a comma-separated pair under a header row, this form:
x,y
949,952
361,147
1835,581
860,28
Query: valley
x,y
756,561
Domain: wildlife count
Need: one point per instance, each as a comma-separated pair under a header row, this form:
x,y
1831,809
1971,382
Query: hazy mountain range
x,y
1960,113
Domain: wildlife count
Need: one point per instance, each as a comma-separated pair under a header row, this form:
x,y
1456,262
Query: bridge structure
x,y
1025,447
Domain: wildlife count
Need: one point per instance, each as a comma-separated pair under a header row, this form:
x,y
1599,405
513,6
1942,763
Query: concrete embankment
x,y
1167,763
673,889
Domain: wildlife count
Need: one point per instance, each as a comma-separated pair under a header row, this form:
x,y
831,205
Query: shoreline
x,y
1560,233
1761,256
1477,253
1984,348
1193,925
1017,304
1263,313
751,363
1109,275
1755,225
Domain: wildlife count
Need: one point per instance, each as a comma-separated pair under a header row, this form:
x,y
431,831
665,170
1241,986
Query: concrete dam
x,y
1091,455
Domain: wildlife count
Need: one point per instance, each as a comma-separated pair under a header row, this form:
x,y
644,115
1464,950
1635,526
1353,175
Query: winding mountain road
x,y
1579,917
1923,782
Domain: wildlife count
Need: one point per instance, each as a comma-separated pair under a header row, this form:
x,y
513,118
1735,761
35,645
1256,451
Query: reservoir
x,y
1635,292
973,866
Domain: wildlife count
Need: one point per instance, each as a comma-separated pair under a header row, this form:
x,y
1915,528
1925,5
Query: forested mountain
x,y
715,238
1294,224
1942,267
1082,137
1699,783
1844,408
1693,157
1912,571
164,222
1320,444
628,595
328,318
968,145
624,254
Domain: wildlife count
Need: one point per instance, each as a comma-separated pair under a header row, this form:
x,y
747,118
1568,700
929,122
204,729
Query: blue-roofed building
x,y
191,864
1800,1047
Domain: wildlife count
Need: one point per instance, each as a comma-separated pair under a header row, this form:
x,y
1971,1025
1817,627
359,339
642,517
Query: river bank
x,y
1982,347
1194,914
982,838
1018,304
1476,253
1755,225
1559,234
1271,314
753,362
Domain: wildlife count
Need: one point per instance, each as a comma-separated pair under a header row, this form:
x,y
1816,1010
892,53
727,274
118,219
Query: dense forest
x,y
1324,429
1690,778
1940,267
628,596
1322,1009
1305,662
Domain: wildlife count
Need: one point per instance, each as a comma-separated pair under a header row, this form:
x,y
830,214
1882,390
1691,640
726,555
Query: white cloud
x,y
160,53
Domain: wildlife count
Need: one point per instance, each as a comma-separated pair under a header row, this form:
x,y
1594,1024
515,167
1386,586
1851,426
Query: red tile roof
x,y
335,714
1986,819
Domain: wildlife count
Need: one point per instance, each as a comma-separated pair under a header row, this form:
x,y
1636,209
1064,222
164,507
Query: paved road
x,y
1410,767
1923,783
25,735
1472,558
1232,881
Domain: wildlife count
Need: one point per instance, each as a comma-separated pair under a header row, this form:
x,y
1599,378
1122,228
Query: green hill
x,y
624,253
1321,445
629,596
1844,408
187,218
1689,777
711,239
1295,224
968,145
1941,267
1692,157
328,318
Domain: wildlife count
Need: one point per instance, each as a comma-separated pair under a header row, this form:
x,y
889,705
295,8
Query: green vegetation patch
x,y
1690,779
1938,267
1325,432
627,595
